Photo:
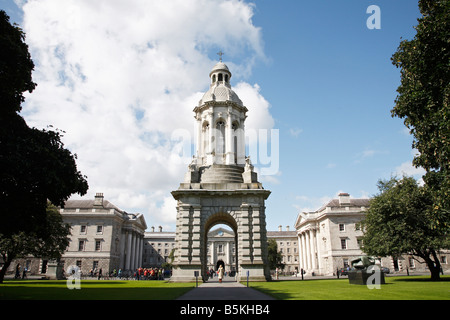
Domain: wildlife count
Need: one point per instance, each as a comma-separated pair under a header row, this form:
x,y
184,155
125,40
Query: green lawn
x,y
396,288
92,290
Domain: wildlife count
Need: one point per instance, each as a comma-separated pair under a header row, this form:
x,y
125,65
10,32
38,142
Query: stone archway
x,y
220,218
200,209
220,263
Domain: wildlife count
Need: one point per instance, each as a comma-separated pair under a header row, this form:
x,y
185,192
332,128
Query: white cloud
x,y
406,168
295,132
120,77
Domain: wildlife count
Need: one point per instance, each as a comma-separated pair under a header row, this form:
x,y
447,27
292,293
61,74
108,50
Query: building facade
x,y
158,246
287,244
102,236
331,237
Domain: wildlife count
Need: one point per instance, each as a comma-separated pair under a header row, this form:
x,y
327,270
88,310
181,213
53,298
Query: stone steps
x,y
220,173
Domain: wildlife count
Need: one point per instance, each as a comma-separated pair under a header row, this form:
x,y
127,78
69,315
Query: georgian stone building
x,y
287,244
157,247
103,236
330,238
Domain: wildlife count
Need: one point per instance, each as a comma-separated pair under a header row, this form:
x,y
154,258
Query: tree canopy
x,y
35,166
400,220
423,100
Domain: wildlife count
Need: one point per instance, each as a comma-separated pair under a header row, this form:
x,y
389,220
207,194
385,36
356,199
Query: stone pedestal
x,y
360,276
55,271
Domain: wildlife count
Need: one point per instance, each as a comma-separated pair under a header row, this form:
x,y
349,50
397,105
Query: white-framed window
x,y
343,243
98,245
341,227
83,229
99,229
81,245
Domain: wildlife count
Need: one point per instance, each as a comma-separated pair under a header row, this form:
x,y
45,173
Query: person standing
x,y
220,273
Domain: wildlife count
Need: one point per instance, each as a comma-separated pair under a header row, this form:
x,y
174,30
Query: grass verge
x,y
92,290
396,288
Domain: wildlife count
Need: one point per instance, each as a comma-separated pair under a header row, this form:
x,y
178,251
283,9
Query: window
x,y
83,229
443,260
341,227
360,243
81,245
98,245
343,243
100,229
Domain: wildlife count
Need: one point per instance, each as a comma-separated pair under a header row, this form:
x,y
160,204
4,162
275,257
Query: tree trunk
x,y
5,267
433,265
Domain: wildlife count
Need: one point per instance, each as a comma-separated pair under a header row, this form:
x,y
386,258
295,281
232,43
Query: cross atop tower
x,y
220,54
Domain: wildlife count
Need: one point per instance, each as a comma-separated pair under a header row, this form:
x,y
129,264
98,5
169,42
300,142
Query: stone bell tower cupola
x,y
220,116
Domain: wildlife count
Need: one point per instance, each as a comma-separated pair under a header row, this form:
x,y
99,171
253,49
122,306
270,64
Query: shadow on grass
x,y
91,290
422,279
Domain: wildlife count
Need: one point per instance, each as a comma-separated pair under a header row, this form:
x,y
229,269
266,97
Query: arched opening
x,y
221,247
220,77
220,263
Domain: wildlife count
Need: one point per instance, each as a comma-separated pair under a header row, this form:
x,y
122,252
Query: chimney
x,y
287,228
160,229
344,198
279,228
98,200
153,229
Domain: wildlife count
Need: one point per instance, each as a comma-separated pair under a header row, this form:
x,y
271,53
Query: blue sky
x,y
120,81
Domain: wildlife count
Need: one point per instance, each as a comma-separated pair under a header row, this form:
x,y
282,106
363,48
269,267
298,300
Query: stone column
x,y
211,134
308,249
305,264
228,254
229,150
300,252
128,262
122,249
139,258
199,136
313,251
133,251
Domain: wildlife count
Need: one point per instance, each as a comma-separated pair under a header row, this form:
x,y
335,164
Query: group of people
x,y
149,274
17,273
138,274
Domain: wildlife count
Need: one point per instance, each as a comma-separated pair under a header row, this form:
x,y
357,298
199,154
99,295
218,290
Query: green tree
x,y
423,100
274,256
16,66
49,239
400,220
35,166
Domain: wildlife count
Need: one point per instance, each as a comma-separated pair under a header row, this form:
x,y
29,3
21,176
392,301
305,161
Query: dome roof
x,y
220,88
220,66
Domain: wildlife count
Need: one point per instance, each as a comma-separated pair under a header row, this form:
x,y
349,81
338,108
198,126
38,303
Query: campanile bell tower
x,y
220,187
220,117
